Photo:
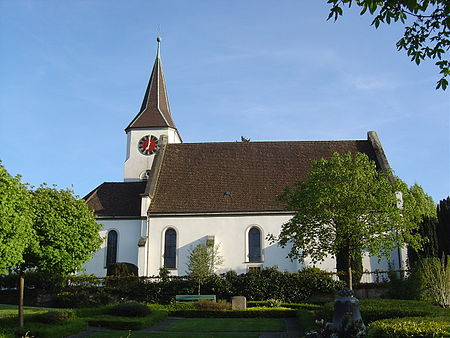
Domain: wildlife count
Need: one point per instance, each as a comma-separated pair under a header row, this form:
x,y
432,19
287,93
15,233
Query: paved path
x,y
292,327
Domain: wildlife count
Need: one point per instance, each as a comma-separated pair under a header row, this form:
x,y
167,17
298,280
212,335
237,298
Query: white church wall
x,y
135,162
128,232
231,233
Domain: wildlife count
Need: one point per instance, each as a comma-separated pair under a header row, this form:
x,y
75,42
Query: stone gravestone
x,y
238,303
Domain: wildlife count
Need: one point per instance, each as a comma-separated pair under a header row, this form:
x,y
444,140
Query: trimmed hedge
x,y
127,323
253,303
130,309
249,313
376,309
39,330
411,327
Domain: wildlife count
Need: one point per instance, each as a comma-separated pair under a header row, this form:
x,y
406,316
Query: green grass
x,y
125,334
12,310
227,325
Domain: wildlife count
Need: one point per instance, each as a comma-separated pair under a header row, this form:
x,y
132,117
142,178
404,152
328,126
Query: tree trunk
x,y
198,289
21,291
350,281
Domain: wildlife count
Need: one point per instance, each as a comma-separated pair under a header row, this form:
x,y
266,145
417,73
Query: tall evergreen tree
x,y
443,228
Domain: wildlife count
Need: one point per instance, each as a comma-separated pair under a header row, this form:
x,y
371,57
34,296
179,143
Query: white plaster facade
x,y
230,232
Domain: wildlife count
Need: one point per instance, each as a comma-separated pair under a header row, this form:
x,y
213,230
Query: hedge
x,y
411,327
376,309
266,284
126,323
249,313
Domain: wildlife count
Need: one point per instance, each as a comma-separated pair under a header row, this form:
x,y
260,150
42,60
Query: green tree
x,y
202,263
66,235
443,228
427,222
427,30
15,220
346,204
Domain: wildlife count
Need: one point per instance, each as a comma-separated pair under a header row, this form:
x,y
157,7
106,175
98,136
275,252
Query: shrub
x,y
130,309
122,270
411,327
376,309
220,305
83,298
127,323
436,279
53,317
249,313
273,303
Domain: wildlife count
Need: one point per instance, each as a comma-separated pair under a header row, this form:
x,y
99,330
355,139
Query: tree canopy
x,y
66,232
15,220
346,203
202,263
427,30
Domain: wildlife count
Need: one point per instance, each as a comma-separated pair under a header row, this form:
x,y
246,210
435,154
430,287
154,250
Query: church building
x,y
176,195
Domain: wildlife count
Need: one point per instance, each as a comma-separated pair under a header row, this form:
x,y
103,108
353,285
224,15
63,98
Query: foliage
x,y
122,269
66,232
256,312
411,327
202,263
65,329
53,317
228,325
220,305
443,228
273,302
346,203
404,287
15,220
428,35
376,309
427,230
126,323
36,280
427,221
130,309
436,279
8,323
355,263
255,285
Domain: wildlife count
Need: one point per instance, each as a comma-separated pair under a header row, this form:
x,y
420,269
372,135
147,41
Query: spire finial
x,y
158,39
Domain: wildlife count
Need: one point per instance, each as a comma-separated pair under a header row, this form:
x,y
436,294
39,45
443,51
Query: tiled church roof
x,y
238,176
116,199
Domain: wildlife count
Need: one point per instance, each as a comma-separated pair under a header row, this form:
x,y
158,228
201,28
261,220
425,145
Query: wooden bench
x,y
193,298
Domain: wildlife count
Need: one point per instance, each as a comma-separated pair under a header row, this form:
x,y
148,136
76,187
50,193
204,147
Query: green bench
x,y
193,298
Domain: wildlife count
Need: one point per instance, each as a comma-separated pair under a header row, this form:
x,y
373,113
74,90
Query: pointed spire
x,y
155,110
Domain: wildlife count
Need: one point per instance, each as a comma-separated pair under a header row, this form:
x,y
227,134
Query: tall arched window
x,y
170,249
111,247
254,245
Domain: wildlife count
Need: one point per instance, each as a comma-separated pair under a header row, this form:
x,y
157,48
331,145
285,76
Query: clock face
x,y
148,145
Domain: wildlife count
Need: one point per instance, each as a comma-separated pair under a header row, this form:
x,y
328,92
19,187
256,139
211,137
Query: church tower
x,y
151,127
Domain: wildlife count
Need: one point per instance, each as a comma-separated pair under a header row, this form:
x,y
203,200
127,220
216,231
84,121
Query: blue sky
x,y
73,75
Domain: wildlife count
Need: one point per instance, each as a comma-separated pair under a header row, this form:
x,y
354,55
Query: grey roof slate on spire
x,y
155,109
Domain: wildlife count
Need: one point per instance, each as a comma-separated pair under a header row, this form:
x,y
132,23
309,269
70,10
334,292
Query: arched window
x,y
170,249
254,245
111,247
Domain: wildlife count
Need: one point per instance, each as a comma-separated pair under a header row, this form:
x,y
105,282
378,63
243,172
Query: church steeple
x,y
146,131
155,109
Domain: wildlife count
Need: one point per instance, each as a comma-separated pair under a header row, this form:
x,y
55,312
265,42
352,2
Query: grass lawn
x,y
227,325
12,310
125,334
